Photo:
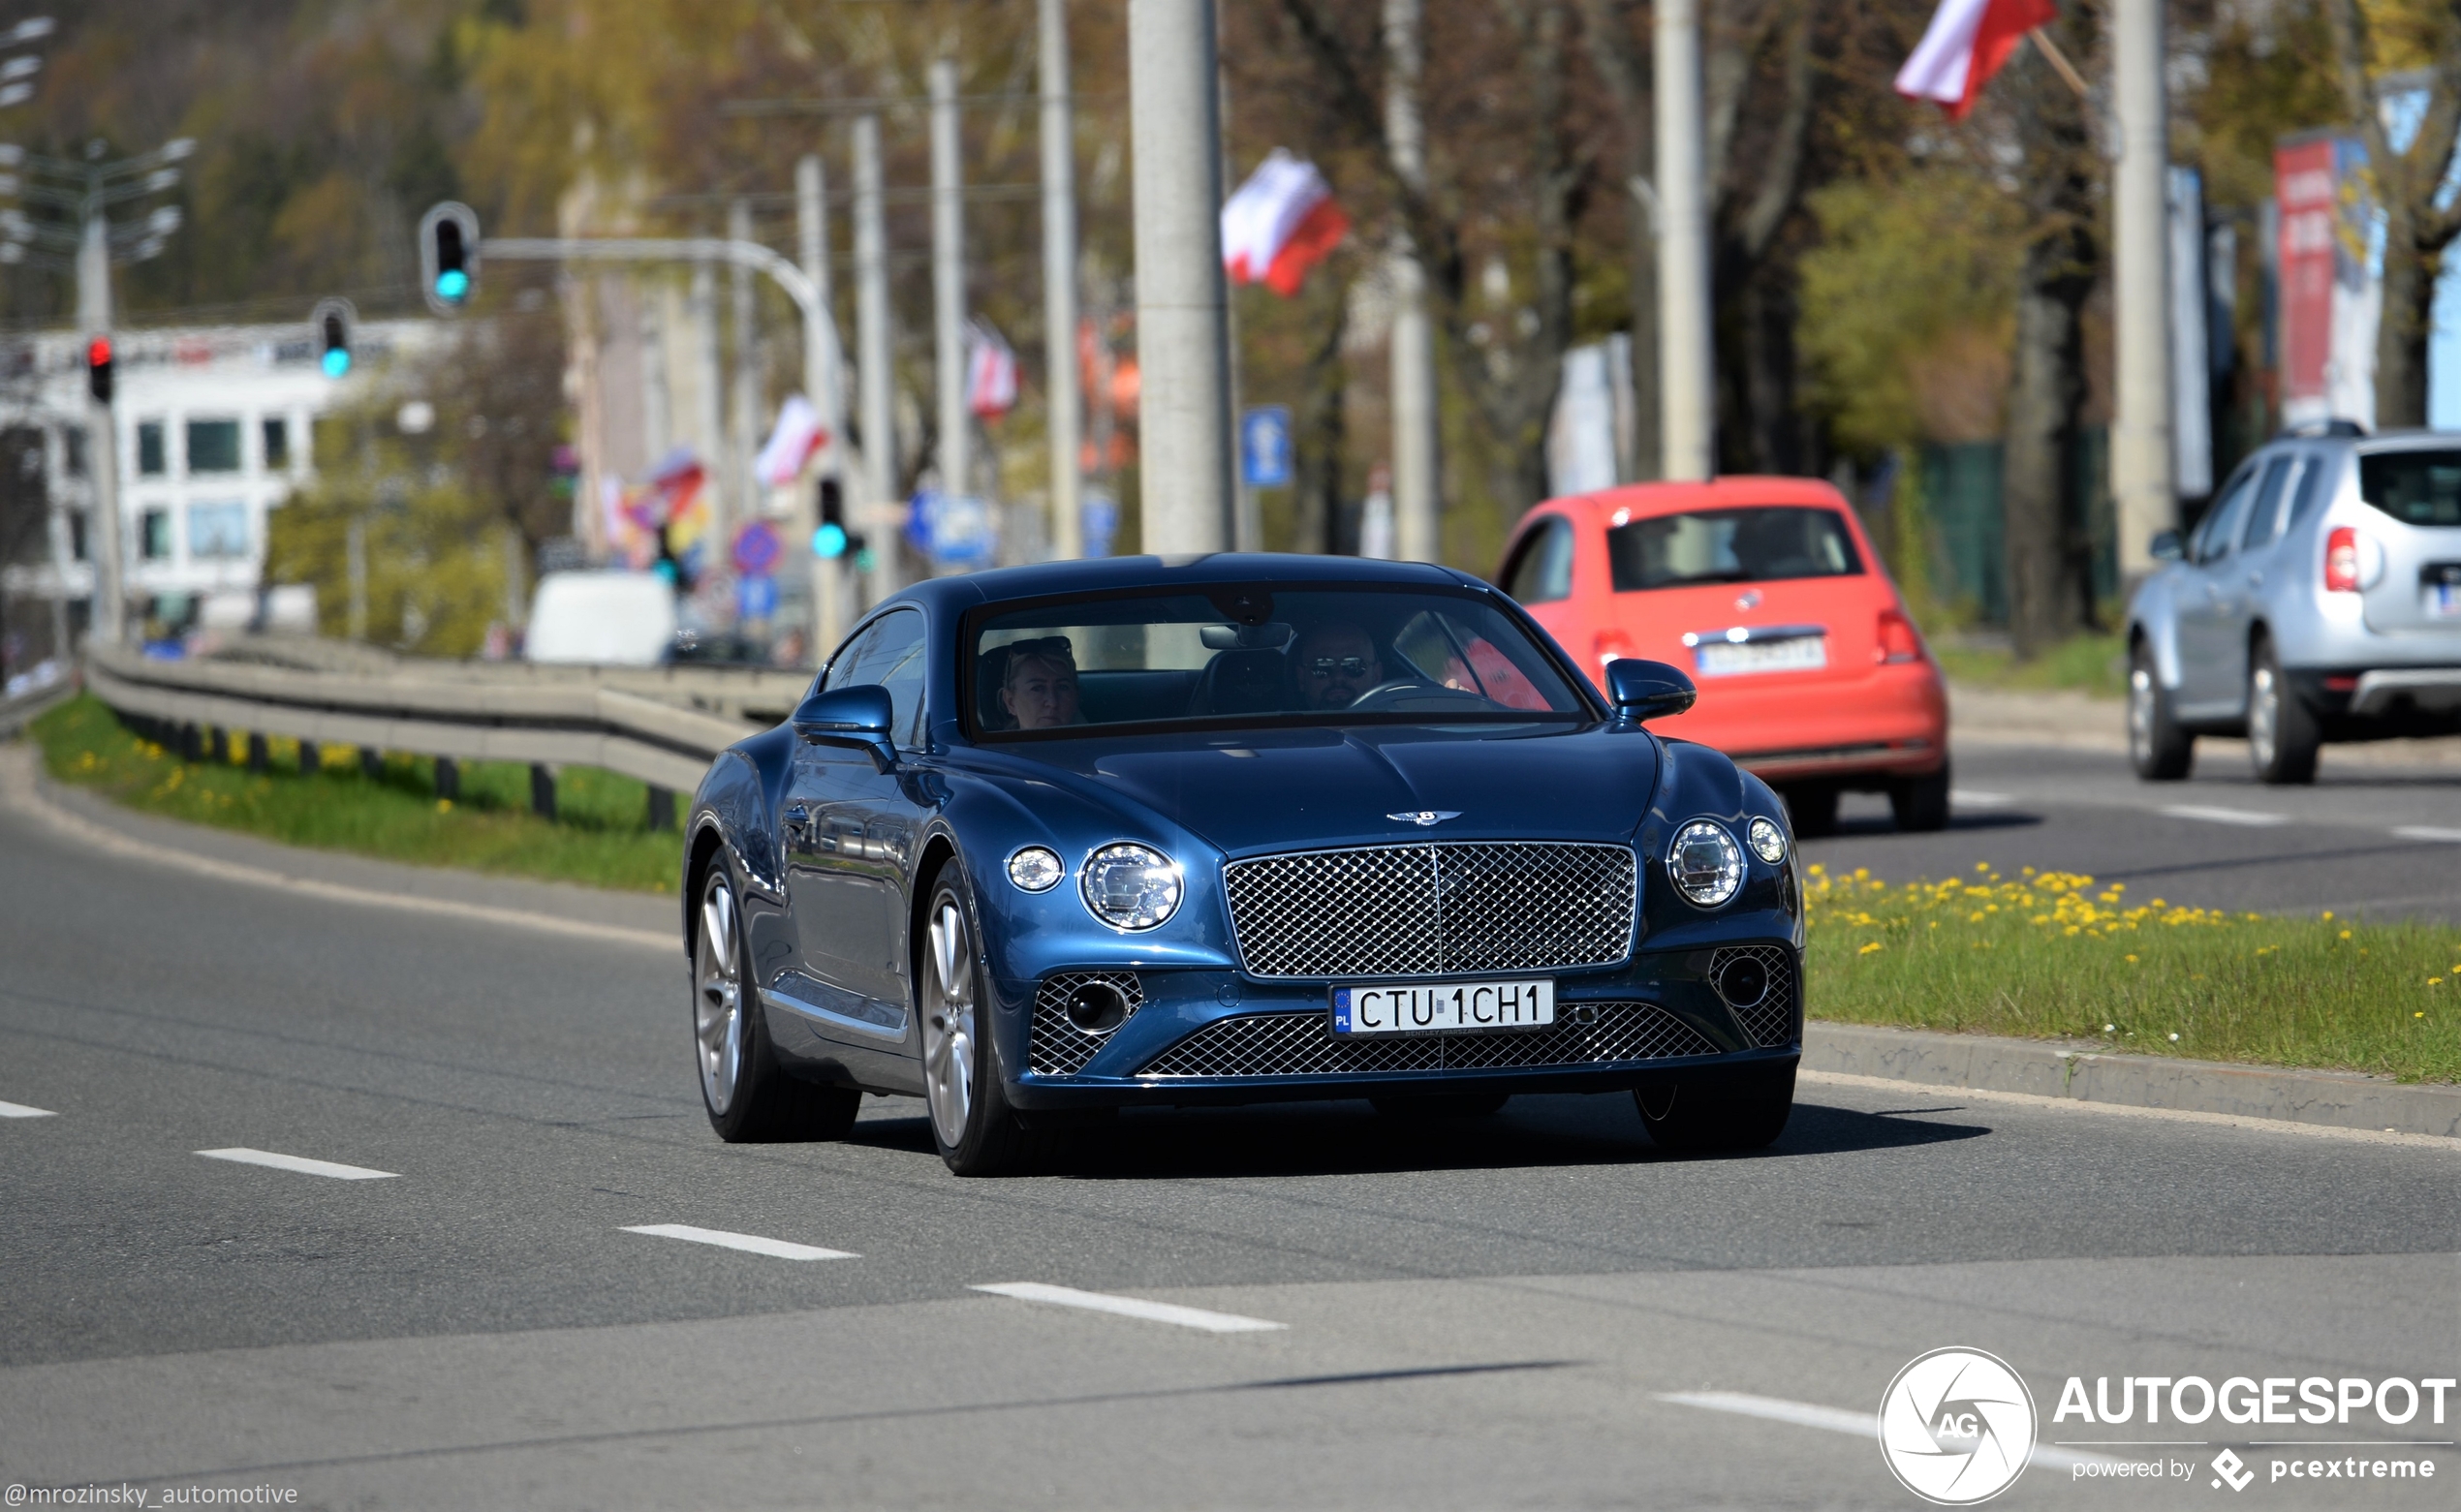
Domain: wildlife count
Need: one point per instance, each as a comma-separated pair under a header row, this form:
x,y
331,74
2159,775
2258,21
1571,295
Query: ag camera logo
x,y
1956,1426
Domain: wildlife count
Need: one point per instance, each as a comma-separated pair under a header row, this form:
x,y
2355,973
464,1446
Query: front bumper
x,y
1200,1037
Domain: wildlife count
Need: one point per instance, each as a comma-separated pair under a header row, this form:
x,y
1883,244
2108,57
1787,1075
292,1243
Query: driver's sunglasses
x,y
1347,666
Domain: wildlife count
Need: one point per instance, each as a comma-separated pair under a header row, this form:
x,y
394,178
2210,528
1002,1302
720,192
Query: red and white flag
x,y
991,372
792,443
1281,223
1968,41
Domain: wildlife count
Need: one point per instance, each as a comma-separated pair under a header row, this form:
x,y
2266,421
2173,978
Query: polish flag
x,y
1281,223
991,372
1968,41
798,437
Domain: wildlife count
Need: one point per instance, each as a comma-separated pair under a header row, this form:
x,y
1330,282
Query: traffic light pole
x,y
109,621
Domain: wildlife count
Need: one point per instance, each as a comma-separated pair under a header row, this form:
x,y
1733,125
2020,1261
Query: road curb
x,y
2338,1100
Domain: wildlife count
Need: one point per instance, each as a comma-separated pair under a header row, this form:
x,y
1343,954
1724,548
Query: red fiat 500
x,y
1767,592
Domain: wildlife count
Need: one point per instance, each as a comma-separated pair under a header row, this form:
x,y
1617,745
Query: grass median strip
x,y
600,837
2056,955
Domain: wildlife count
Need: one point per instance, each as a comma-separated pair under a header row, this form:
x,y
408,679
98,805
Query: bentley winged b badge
x,y
1424,819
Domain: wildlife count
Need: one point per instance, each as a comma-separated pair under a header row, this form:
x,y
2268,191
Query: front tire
x,y
1920,804
977,1131
2158,749
2283,737
1706,1117
749,1097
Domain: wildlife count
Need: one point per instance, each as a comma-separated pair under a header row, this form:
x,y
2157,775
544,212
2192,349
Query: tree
x,y
2370,41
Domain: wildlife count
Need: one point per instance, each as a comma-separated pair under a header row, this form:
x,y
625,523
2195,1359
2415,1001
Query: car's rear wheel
x,y
977,1131
1812,808
1742,1113
1920,804
2283,737
1440,1104
749,1097
2158,749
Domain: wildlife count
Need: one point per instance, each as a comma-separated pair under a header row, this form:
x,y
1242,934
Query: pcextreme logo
x,y
1956,1426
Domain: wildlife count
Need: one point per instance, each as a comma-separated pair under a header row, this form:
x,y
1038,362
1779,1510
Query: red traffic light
x,y
98,369
98,351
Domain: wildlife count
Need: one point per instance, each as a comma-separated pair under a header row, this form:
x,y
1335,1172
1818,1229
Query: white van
x,y
602,618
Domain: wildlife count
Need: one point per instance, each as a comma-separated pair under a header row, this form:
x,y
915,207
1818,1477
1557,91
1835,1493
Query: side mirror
x,y
1647,690
2165,546
859,716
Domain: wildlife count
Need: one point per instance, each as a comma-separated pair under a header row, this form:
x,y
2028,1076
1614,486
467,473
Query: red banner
x,y
2309,192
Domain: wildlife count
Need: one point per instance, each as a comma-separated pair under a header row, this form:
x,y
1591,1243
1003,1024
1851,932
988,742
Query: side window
x,y
890,653
2222,523
1542,571
2313,481
2272,496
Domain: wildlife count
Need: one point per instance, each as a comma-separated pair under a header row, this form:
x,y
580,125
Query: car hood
x,y
1260,790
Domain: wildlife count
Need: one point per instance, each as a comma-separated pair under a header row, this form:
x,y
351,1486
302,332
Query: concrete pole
x,y
1065,394
1181,330
2140,457
1417,531
103,537
744,406
875,356
1687,371
657,428
711,442
824,385
949,282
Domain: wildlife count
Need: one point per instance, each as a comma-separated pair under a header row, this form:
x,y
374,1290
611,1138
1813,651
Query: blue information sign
x,y
1264,446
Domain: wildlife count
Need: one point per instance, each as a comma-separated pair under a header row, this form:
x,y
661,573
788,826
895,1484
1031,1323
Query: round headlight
x,y
1036,869
1705,863
1131,886
1768,842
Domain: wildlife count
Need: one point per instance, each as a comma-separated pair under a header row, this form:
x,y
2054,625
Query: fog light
x,y
1768,842
1097,1007
1036,869
1744,982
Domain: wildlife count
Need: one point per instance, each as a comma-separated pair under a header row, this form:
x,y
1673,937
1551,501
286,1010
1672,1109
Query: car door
x,y
2212,667
2239,577
848,831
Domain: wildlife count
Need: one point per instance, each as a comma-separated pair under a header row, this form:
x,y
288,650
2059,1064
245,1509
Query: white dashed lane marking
x,y
749,1244
300,1163
1130,1306
20,1110
2250,817
1967,799
2428,832
1864,1425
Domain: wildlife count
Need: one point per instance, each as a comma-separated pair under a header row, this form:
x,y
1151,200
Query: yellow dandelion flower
x,y
1984,866
2344,934
2329,914
2435,981
444,805
1869,948
2132,960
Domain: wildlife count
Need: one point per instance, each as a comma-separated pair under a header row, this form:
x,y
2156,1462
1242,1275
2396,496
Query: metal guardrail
x,y
22,710
464,712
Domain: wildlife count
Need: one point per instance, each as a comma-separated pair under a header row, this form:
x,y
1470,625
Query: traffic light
x,y
829,541
333,321
98,369
449,256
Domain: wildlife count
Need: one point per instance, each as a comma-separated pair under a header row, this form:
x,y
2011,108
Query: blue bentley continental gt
x,y
1049,842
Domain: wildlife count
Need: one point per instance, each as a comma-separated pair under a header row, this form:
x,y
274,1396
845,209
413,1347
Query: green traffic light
x,y
452,283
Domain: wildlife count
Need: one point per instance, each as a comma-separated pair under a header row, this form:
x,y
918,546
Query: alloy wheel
x,y
949,1024
717,999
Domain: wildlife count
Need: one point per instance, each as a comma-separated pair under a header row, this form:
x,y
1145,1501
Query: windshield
x,y
2413,487
1729,546
1251,654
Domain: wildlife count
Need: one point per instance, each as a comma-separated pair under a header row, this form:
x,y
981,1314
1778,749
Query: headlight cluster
x,y
1131,886
1036,869
1705,864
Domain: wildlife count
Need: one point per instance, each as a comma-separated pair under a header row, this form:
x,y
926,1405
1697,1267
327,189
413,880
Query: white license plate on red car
x,y
1444,1007
1731,657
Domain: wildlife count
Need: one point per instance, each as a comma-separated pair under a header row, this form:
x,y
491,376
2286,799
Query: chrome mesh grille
x,y
1303,1045
1770,1021
1057,1047
1426,910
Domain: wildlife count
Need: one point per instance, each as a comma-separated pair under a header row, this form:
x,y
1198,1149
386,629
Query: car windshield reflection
x,y
1246,654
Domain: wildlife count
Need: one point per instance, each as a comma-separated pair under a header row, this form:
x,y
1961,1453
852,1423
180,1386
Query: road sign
x,y
755,598
953,530
1100,518
1264,446
756,549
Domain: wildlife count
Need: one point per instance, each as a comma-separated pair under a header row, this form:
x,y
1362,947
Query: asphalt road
x,y
2365,841
1536,1310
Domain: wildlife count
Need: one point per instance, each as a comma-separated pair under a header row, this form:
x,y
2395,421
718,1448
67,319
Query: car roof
x,y
1178,573
1717,493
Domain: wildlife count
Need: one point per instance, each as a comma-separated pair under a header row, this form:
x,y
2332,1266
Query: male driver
x,y
1039,690
1336,662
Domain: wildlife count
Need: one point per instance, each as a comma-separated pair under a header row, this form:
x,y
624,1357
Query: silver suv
x,y
2319,598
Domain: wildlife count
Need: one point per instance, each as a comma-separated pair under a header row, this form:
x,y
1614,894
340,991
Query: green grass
x,y
600,836
2093,663
2056,955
